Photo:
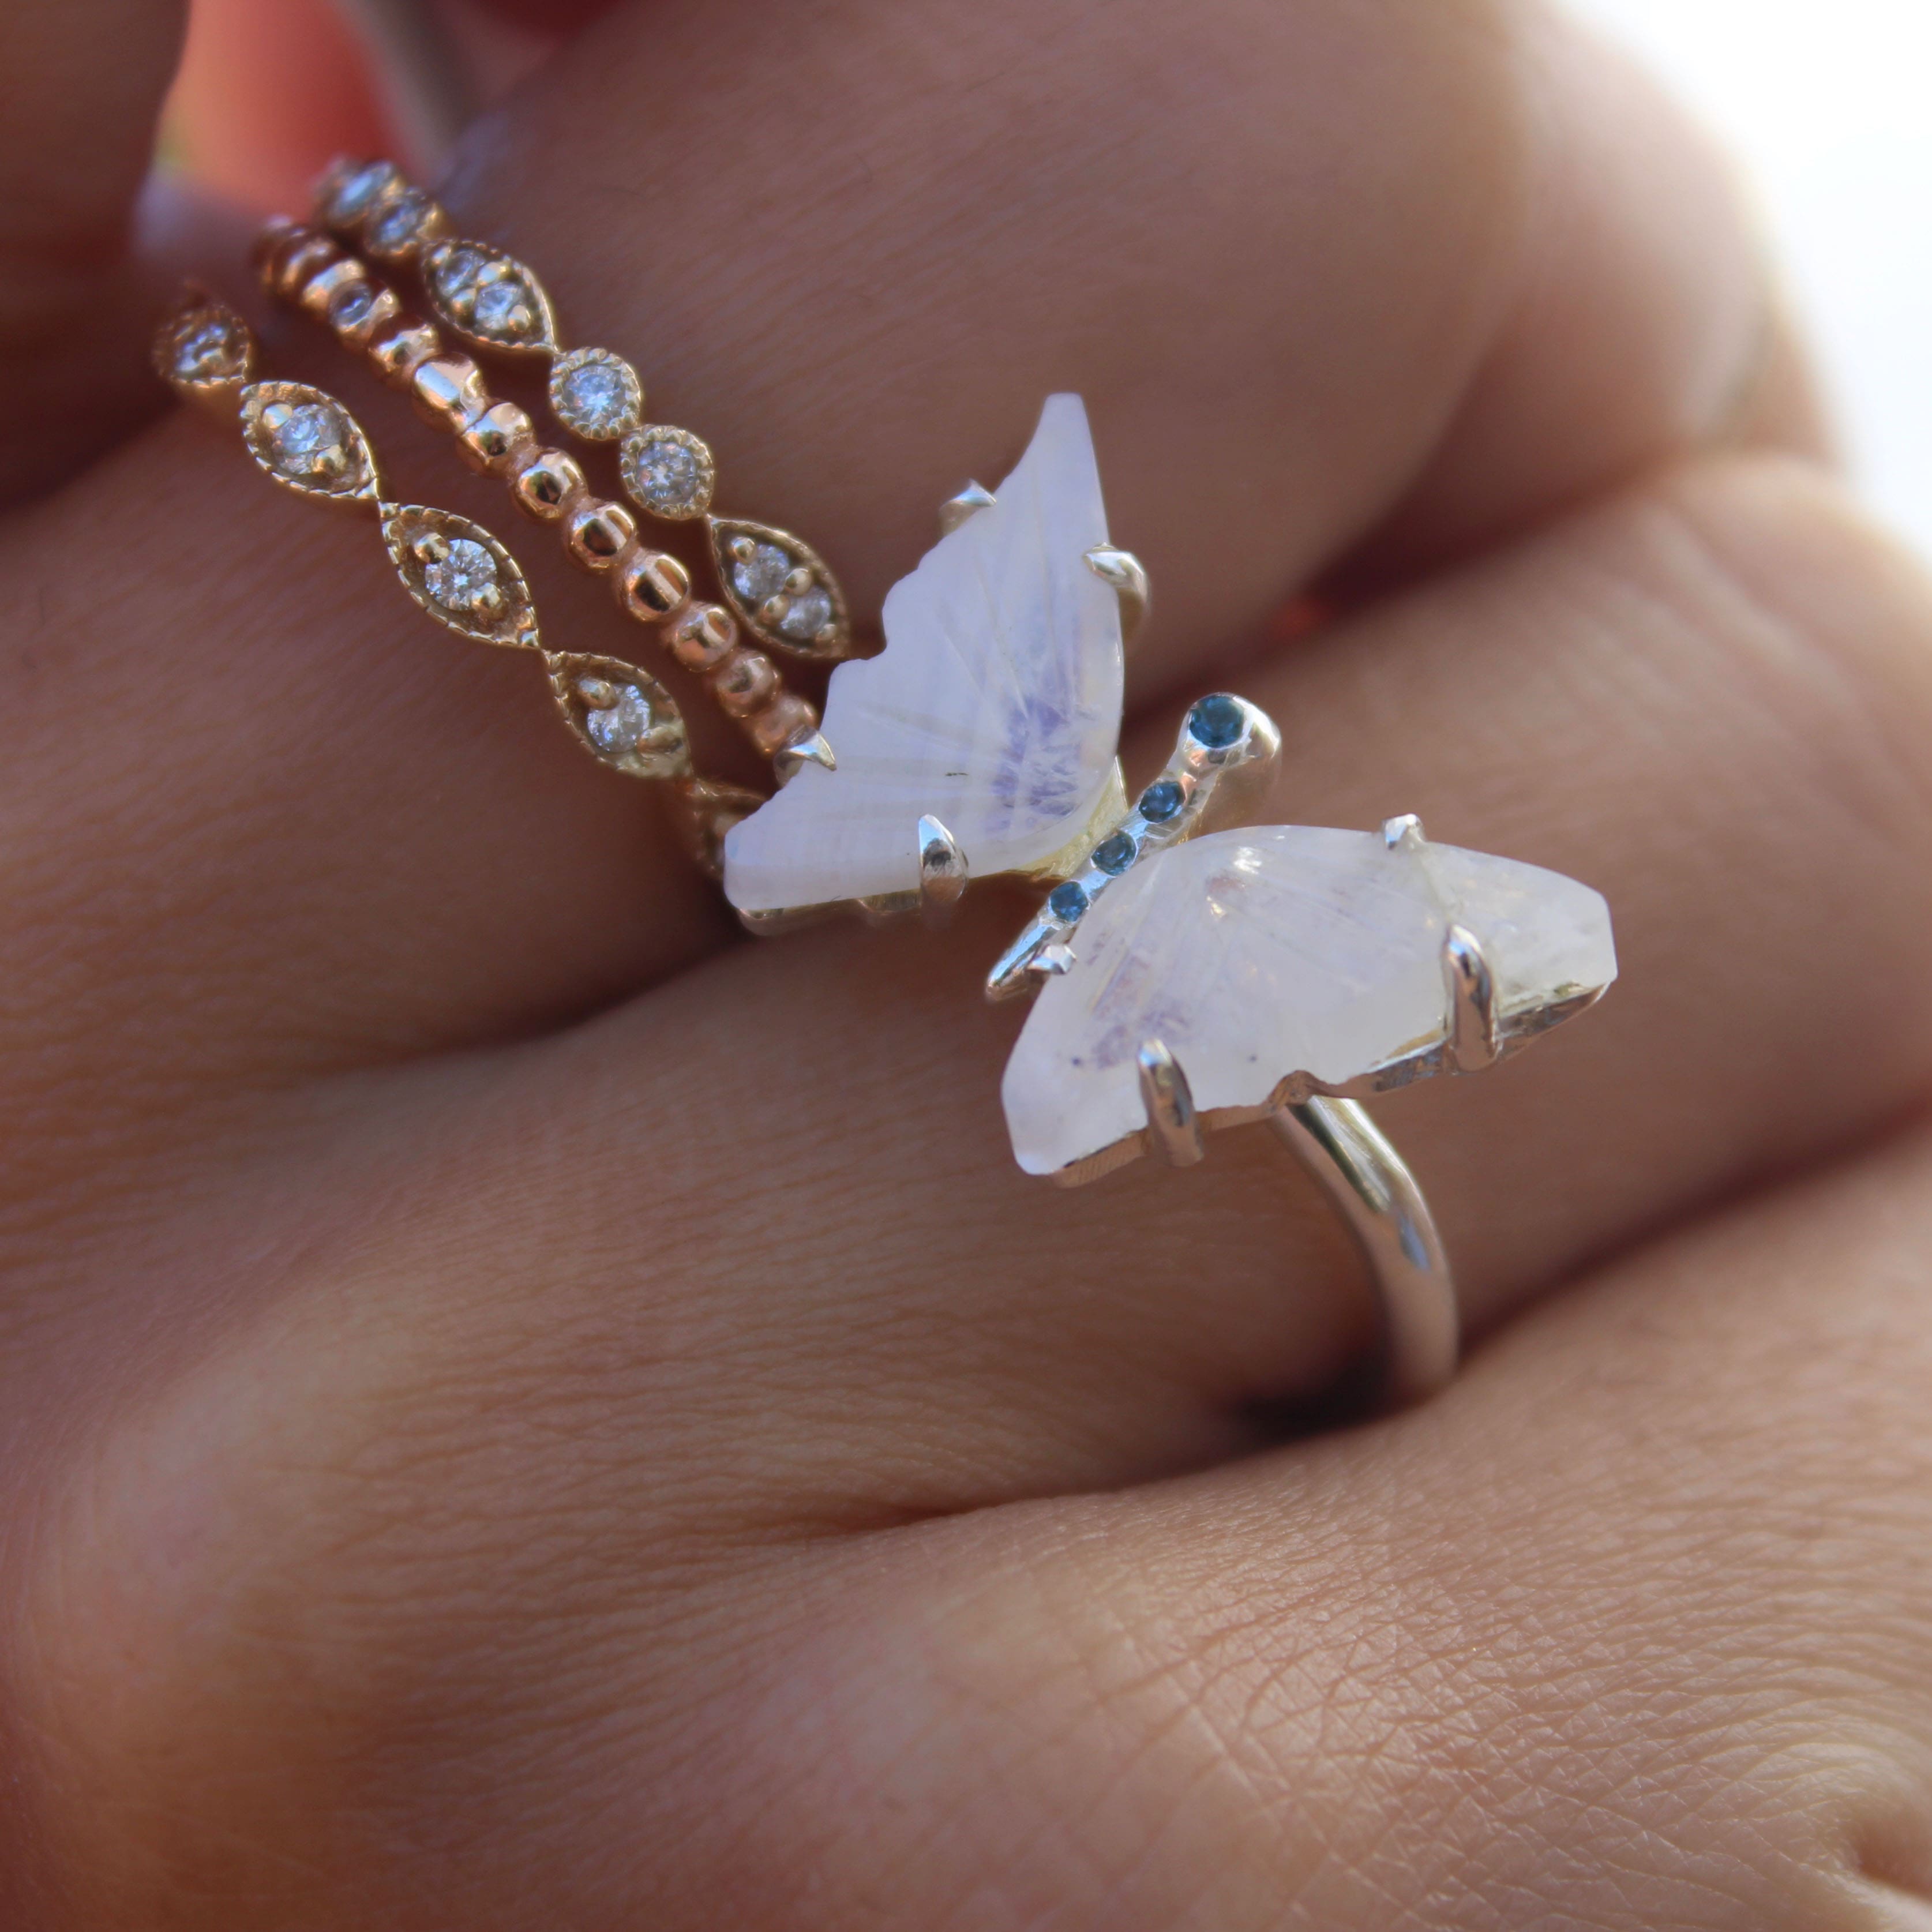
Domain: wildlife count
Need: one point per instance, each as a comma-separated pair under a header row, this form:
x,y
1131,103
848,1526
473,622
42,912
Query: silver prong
x,y
1404,834
792,758
1013,972
942,867
1174,1128
791,919
1031,957
956,510
1126,576
1473,1042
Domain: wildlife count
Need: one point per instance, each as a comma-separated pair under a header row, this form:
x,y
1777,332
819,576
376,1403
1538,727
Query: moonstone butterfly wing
x,y
1280,961
995,707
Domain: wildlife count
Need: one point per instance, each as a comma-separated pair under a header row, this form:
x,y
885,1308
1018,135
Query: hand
x,y
523,1410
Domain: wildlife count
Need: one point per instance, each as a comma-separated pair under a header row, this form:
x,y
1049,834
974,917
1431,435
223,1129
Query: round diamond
x,y
210,350
399,223
621,727
463,577
809,613
1161,801
1114,855
309,441
1067,902
457,271
357,190
761,573
667,476
596,395
504,308
1217,722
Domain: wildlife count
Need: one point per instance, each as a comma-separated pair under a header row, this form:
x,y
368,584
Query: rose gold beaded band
x,y
453,569
774,585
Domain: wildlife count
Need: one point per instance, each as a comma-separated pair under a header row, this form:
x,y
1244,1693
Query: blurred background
x,y
1822,102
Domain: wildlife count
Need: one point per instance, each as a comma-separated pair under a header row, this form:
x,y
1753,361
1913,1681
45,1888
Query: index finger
x,y
853,247
1321,271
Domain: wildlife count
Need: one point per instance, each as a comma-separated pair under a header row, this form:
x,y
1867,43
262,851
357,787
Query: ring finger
x,y
772,1206
331,842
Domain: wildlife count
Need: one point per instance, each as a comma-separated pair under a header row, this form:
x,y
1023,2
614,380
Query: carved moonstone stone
x,y
995,707
1258,954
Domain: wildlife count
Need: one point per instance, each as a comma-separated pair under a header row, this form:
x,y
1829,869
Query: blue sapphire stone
x,y
1114,855
1162,800
1067,902
1216,721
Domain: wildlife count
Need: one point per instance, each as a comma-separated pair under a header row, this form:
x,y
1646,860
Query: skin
x,y
521,1407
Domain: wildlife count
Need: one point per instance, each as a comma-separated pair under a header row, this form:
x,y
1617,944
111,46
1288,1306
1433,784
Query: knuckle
x,y
239,1641
1183,1726
1820,624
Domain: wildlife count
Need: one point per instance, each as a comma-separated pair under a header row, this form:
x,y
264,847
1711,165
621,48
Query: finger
x,y
548,18
1624,339
773,1204
1629,1630
76,131
1442,269
1712,701
295,794
243,130
1301,401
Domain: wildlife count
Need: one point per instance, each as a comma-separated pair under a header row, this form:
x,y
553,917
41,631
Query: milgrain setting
x,y
453,570
775,587
489,299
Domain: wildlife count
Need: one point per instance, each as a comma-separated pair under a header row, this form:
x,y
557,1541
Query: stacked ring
x,y
774,586
452,569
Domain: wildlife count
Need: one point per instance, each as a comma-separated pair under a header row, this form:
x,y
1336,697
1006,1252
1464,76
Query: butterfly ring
x,y
1189,978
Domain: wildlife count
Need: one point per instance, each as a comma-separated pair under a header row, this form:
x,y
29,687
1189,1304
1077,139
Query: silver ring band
x,y
1351,1160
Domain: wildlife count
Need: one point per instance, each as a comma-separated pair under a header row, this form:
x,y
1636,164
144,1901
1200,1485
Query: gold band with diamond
x,y
494,303
306,269
773,584
453,569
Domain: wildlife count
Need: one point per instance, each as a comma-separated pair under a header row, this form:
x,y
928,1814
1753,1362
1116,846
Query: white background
x,y
1828,104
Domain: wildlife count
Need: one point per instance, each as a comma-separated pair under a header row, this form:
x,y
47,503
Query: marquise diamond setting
x,y
307,441
308,438
621,719
780,589
398,225
486,297
357,190
622,714
209,352
204,347
460,575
